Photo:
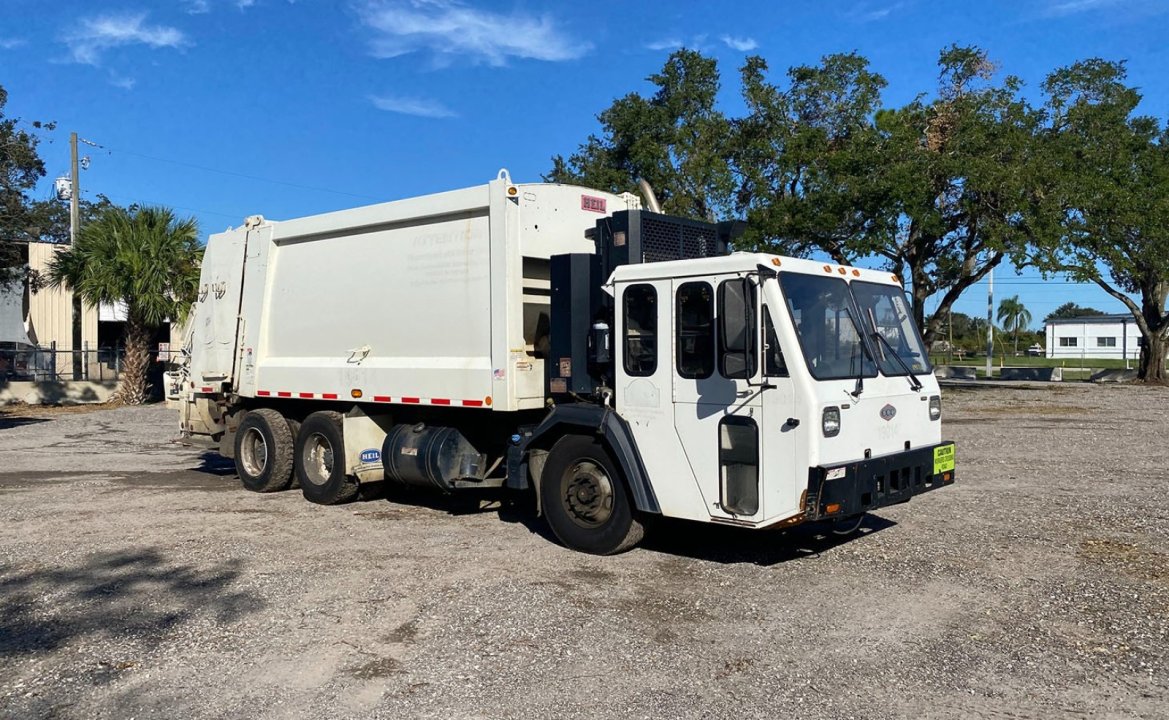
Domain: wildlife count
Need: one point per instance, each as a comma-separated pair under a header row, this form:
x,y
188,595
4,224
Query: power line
x,y
231,173
142,201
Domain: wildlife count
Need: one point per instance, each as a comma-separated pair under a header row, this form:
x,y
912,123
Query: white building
x,y
1112,337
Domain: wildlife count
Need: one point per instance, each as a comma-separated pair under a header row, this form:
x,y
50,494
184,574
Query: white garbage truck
x,y
615,361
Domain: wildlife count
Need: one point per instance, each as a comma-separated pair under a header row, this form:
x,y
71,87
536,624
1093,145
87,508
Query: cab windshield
x,y
885,312
849,330
825,316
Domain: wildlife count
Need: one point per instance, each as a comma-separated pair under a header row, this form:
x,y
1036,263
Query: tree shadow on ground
x,y
11,421
136,596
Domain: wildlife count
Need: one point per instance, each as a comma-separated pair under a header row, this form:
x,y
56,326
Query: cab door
x,y
718,399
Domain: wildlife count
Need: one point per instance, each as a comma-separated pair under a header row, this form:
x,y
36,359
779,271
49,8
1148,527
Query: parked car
x,y
1035,350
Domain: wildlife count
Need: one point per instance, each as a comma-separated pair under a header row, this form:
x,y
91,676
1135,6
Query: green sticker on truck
x,y
943,459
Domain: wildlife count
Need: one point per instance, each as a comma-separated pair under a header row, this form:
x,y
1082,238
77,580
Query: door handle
x,y
793,422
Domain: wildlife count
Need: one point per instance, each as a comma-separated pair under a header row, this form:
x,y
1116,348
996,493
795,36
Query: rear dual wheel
x,y
320,460
263,451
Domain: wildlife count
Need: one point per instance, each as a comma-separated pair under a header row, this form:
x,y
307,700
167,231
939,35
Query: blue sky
x,y
226,108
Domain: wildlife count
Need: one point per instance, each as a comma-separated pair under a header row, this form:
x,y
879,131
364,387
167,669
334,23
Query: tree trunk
x,y
133,388
1152,363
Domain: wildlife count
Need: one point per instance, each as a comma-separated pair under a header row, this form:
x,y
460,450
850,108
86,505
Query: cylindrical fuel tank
x,y
423,456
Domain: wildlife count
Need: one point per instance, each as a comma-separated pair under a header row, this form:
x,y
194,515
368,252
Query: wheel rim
x,y
318,459
587,494
254,452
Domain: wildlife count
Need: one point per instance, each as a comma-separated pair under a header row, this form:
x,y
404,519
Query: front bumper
x,y
843,490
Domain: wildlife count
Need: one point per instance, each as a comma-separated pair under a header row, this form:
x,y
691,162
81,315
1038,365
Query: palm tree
x,y
144,257
1014,317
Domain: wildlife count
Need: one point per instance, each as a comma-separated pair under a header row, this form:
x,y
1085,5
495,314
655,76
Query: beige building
x,y
75,342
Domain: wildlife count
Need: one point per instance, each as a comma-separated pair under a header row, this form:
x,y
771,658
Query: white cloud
x,y
11,43
743,44
93,36
449,29
197,7
125,83
667,44
871,12
420,107
1073,7
244,4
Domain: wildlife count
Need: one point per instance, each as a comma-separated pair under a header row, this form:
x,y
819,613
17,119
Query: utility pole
x,y
74,221
75,192
989,324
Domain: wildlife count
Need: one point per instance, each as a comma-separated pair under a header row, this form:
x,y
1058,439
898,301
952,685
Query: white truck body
x,y
436,300
440,341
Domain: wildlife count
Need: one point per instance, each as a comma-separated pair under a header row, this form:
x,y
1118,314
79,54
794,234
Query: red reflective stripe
x,y
208,390
263,393
472,403
411,400
440,401
304,395
282,393
381,398
329,396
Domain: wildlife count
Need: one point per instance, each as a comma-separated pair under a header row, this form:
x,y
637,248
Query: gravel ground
x,y
138,580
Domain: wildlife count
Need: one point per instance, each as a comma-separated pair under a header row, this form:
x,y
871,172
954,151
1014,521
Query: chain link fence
x,y
21,362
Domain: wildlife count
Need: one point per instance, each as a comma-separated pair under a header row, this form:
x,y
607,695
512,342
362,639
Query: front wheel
x,y
584,498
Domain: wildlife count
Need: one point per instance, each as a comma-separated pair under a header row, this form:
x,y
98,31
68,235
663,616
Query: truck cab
x,y
763,390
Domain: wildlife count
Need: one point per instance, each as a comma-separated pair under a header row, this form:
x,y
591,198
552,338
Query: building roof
x,y
1093,320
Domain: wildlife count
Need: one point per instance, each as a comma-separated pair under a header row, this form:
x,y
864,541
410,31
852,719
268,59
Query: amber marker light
x,y
832,508
512,191
487,400
775,262
827,268
355,393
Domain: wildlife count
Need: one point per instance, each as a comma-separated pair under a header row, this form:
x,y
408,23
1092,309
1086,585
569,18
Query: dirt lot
x,y
138,580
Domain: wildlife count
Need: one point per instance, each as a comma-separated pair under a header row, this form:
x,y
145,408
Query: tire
x,y
263,451
584,498
320,460
294,430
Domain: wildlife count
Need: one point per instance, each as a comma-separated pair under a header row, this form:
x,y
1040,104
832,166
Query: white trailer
x,y
557,339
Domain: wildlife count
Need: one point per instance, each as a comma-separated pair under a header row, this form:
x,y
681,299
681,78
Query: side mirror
x,y
736,336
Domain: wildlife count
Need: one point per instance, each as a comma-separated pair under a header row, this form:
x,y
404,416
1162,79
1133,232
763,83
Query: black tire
x,y
294,430
263,451
584,498
320,460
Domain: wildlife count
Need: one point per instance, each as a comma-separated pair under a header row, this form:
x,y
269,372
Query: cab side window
x,y
640,330
695,314
773,362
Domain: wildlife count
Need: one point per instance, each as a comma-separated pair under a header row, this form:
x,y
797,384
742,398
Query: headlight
x,y
830,421
935,407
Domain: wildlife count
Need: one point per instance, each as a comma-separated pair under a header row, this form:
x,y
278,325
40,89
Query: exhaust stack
x,y
647,192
